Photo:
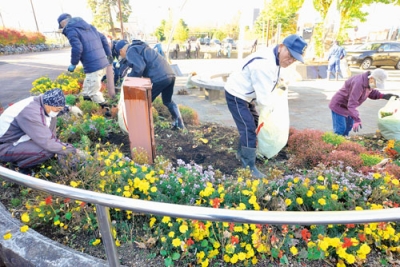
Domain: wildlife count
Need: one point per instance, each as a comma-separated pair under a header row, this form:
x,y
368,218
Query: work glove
x,y
76,111
71,68
110,59
388,96
82,154
356,126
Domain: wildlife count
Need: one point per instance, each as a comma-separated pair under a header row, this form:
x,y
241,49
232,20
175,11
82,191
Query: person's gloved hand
x,y
356,126
388,96
82,154
110,59
71,68
76,111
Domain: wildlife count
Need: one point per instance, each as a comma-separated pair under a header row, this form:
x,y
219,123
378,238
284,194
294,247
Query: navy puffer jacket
x,y
148,63
88,45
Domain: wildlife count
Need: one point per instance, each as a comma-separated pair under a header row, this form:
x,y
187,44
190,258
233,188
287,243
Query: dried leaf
x,y
140,245
205,141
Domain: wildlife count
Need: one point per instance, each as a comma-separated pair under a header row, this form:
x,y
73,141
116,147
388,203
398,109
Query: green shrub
x,y
370,159
70,100
334,139
189,115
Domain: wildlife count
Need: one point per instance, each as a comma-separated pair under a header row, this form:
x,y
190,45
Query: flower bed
x,y
322,172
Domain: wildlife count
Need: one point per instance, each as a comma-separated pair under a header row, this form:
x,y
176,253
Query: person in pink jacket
x,y
28,131
354,92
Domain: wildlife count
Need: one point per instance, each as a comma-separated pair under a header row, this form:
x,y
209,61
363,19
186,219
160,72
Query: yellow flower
x,y
166,219
299,200
183,228
335,187
102,173
73,184
216,244
395,181
205,263
152,221
24,228
96,242
288,202
171,234
334,196
176,242
377,175
296,180
242,256
234,258
309,193
227,258
7,236
163,239
322,201
25,217
294,250
117,243
153,189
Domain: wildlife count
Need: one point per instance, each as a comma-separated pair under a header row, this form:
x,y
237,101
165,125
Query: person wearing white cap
x,y
353,93
256,79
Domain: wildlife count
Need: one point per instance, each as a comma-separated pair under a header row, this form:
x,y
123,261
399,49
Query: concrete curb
x,y
32,249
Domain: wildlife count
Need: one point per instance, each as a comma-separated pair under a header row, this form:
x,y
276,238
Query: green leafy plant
x,y
332,138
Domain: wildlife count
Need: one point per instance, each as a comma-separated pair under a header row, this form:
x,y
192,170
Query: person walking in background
x,y
353,93
335,55
256,79
254,46
176,50
228,49
145,62
188,49
91,48
158,48
218,49
28,131
197,49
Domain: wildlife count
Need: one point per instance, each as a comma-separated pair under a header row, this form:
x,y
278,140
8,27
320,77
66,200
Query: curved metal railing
x,y
104,201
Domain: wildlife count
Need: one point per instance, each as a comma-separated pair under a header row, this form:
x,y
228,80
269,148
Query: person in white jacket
x,y
256,79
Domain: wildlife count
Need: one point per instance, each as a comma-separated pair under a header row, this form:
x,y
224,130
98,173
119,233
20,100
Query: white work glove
x,y
76,111
82,154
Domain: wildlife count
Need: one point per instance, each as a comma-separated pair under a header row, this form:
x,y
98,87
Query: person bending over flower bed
x,y
28,130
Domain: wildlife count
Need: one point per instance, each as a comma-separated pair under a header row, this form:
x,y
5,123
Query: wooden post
x,y
139,118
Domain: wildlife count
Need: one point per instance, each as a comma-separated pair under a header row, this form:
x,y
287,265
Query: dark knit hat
x,y
61,18
54,98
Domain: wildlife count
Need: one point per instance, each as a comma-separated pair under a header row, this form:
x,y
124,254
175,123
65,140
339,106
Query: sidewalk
x,y
308,100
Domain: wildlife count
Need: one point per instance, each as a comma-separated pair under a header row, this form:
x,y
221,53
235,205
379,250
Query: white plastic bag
x,y
389,125
273,125
123,124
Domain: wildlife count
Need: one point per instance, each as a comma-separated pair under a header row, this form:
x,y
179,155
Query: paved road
x,y
308,100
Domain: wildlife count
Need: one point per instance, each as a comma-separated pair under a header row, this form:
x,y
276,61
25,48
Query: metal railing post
x,y
103,217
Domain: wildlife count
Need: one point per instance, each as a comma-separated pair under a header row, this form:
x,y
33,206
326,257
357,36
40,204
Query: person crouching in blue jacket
x,y
91,48
146,62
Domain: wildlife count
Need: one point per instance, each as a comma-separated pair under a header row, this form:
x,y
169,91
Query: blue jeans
x,y
341,124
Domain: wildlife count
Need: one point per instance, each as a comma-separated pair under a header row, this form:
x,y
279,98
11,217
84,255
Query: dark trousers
x,y
165,88
245,116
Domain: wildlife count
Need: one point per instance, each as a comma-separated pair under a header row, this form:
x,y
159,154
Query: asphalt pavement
x,y
308,100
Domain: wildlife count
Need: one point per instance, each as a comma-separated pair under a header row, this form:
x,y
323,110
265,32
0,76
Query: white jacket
x,y
256,78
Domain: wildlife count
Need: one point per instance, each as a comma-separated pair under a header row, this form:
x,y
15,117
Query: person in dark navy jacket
x,y
146,62
91,48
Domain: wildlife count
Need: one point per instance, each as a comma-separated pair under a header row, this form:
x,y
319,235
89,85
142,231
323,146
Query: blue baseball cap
x,y
61,18
296,46
120,45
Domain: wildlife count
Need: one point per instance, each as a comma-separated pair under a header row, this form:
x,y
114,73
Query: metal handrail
x,y
104,201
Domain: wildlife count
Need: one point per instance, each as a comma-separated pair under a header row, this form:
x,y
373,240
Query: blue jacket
x,y
88,45
148,63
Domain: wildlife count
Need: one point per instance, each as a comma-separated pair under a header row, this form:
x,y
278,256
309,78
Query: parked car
x,y
215,42
229,40
375,54
206,41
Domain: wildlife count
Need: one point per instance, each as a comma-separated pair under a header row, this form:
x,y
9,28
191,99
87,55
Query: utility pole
x,y
34,15
120,19
2,21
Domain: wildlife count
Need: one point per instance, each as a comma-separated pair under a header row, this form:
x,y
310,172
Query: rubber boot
x,y
176,116
248,157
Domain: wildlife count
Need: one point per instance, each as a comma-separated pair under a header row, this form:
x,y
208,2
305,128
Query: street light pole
x,y
34,15
120,19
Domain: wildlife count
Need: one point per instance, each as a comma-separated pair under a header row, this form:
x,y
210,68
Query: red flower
x,y
82,204
305,234
234,240
189,242
274,239
48,200
202,226
351,225
231,226
216,202
361,237
280,255
347,242
67,200
285,229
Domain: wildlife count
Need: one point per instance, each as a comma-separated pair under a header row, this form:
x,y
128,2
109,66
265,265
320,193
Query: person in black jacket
x,y
146,62
91,48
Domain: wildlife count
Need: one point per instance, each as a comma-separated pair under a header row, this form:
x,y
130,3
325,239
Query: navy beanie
x,y
54,98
